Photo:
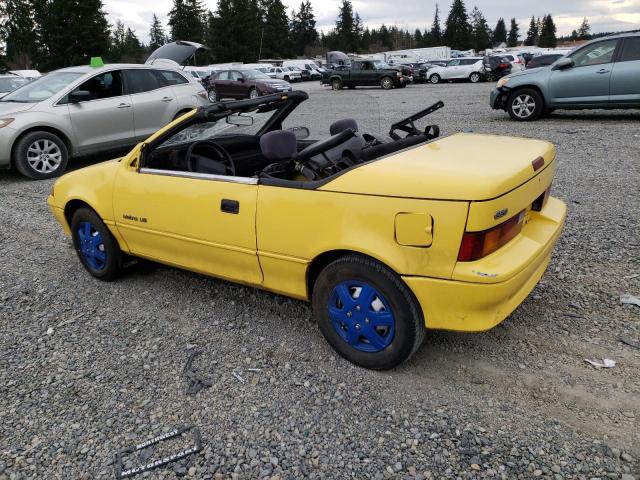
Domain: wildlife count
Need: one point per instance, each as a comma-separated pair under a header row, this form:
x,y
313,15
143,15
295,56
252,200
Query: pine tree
x,y
18,30
500,33
157,36
532,33
69,32
303,28
418,39
548,33
584,32
384,37
235,30
345,27
435,35
275,39
186,20
514,32
481,34
457,31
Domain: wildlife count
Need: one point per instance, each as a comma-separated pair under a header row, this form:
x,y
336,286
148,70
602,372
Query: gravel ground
x,y
88,368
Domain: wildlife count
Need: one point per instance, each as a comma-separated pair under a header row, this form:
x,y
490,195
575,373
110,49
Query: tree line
x,y
49,34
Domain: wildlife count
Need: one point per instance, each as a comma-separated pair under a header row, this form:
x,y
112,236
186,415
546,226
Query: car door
x,y
238,87
221,84
205,223
153,101
625,75
106,120
451,70
587,82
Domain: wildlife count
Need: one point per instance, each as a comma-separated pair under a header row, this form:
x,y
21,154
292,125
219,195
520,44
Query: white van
x,y
314,72
266,68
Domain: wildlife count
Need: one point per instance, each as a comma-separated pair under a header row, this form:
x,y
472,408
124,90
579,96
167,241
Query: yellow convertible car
x,y
385,237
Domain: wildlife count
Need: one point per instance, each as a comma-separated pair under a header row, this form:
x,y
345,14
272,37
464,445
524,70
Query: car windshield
x,y
254,75
42,88
9,84
244,123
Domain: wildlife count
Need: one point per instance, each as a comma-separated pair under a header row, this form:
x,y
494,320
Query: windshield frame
x,y
10,97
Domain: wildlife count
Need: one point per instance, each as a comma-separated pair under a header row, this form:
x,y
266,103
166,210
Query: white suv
x,y
464,68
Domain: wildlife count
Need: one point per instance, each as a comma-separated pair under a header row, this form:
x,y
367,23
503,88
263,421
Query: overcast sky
x,y
604,15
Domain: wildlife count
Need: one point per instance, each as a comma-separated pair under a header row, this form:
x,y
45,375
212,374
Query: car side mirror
x,y
563,63
301,133
78,96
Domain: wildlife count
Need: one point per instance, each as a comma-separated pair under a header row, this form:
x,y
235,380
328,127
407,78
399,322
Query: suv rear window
x,y
630,50
143,80
171,78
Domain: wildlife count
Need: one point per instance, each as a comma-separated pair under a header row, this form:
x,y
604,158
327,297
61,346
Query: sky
x,y
604,15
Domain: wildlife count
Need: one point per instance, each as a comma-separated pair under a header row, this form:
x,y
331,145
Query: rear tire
x,y
379,330
40,155
336,84
435,78
96,247
213,95
525,105
386,83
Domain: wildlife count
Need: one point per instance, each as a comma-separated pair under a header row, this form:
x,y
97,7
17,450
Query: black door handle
x,y
229,206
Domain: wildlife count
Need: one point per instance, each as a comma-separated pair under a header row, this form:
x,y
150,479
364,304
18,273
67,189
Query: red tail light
x,y
503,65
476,245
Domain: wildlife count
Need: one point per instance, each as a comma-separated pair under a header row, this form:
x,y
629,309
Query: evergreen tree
x,y
235,30
500,33
435,35
457,33
303,28
532,33
584,32
574,35
345,28
187,20
69,32
157,37
275,36
514,32
18,31
548,33
481,34
125,46
384,37
417,38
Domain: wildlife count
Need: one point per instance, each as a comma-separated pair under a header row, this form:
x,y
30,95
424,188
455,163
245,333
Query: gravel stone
x,y
517,400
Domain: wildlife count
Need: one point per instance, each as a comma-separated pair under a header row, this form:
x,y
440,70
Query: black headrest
x,y
342,125
278,145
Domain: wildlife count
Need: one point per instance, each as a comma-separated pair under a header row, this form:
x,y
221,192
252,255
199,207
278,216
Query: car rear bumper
x,y
476,307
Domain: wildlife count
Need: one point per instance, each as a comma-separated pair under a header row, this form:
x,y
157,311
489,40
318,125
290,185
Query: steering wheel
x,y
197,162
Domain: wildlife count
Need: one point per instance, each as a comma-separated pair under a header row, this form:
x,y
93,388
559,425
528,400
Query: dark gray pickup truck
x,y
363,73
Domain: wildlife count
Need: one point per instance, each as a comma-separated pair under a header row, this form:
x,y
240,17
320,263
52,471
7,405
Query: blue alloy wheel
x,y
92,246
361,316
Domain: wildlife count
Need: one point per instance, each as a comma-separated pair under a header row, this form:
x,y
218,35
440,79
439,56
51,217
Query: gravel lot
x,y
88,367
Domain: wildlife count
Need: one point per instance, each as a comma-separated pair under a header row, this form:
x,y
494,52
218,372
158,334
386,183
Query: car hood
x,y
179,51
464,166
271,81
8,108
530,71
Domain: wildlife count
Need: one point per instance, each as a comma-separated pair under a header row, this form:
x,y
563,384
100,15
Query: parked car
x,y
365,73
287,74
496,66
602,73
84,110
309,65
463,68
517,61
200,73
10,82
544,60
244,84
28,74
386,239
417,71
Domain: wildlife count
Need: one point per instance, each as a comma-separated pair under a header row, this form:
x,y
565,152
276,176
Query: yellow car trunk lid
x,y
464,166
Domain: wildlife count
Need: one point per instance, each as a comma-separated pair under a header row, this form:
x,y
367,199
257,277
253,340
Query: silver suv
x,y
83,110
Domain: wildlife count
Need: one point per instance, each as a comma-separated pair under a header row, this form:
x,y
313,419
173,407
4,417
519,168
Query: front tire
x,y
96,247
525,105
336,84
386,83
474,77
366,313
213,95
254,93
435,78
40,155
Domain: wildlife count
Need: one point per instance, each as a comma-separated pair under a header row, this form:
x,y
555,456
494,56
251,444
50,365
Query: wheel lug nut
x,y
349,314
366,320
357,326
